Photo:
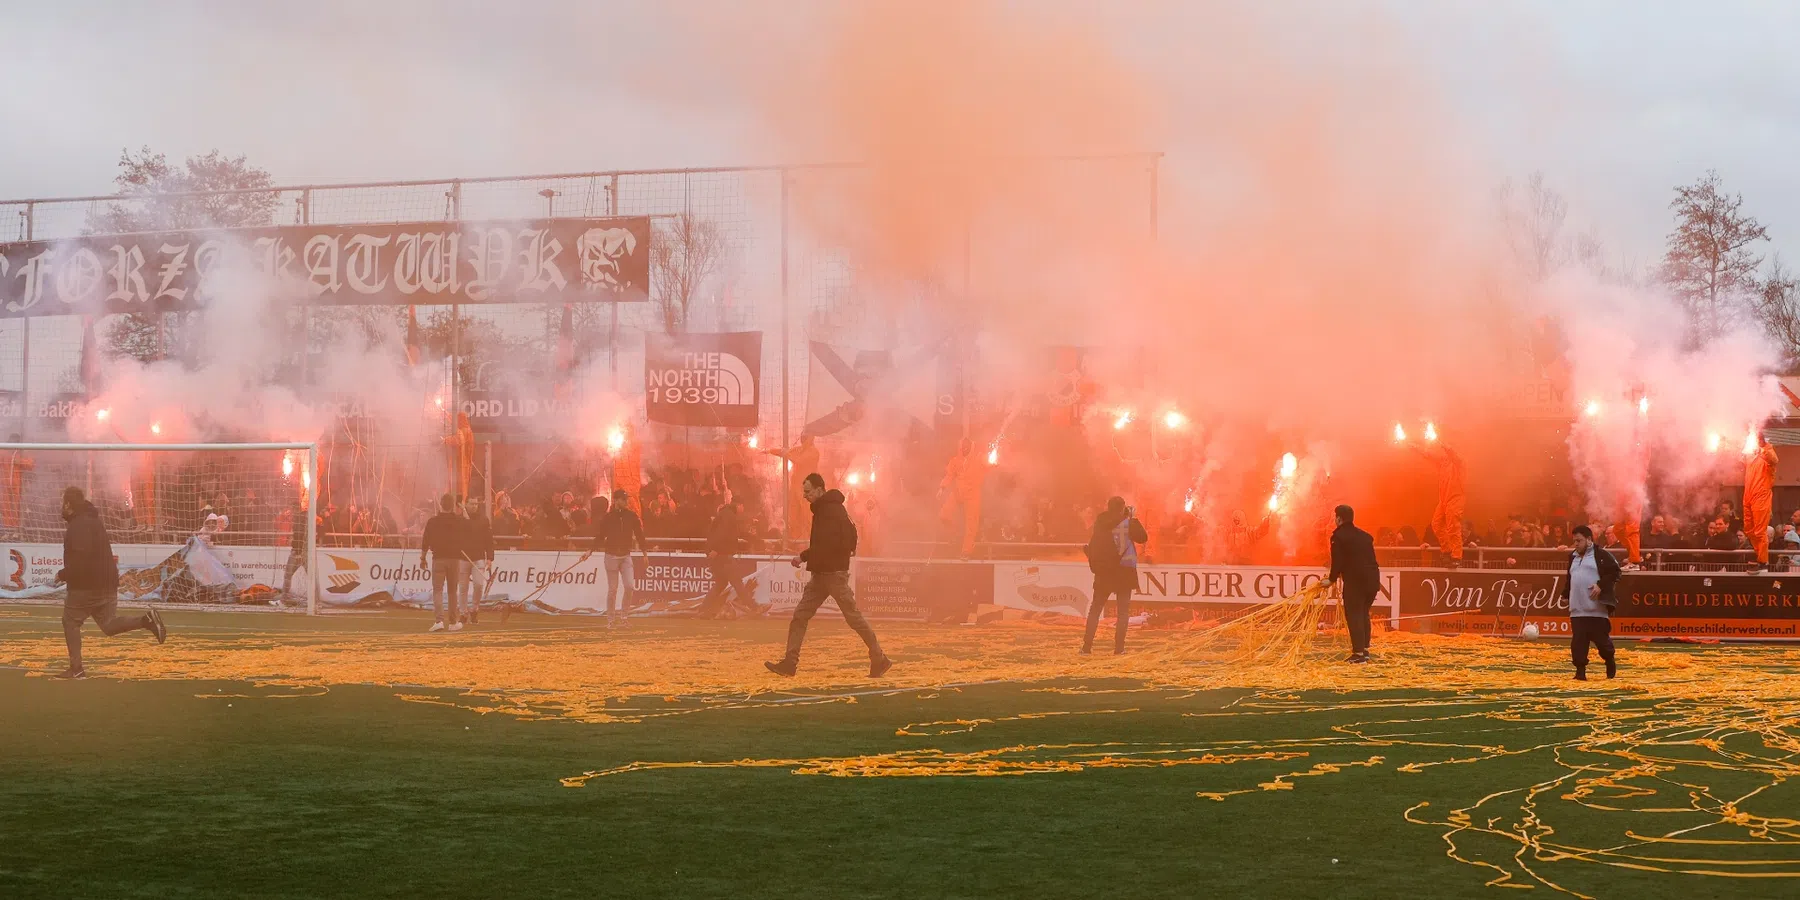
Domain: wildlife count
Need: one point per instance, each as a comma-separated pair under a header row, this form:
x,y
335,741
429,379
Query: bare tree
x,y
684,252
1709,263
163,200
1534,215
1776,305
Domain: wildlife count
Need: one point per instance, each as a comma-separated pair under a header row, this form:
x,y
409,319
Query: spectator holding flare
x,y
802,457
1353,562
620,531
297,556
1112,557
446,541
93,579
1446,519
1589,591
961,488
13,466
827,557
1759,498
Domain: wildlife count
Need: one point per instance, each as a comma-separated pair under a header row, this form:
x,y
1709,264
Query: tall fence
x,y
776,274
775,277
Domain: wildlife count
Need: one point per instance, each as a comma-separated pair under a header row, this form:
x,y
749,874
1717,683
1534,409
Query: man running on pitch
x,y
93,579
828,559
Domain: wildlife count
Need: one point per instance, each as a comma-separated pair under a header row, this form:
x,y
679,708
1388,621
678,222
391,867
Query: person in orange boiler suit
x,y
13,466
801,459
1447,518
963,477
1759,498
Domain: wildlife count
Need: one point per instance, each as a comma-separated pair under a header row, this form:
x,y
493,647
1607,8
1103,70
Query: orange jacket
x,y
1759,478
964,475
1450,472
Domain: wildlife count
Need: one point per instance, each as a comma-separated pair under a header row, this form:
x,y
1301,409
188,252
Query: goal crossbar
x,y
312,488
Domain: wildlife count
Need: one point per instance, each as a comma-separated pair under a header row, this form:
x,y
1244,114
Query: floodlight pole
x,y
312,529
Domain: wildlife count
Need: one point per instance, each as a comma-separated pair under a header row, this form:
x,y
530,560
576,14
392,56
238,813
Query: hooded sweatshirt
x,y
833,536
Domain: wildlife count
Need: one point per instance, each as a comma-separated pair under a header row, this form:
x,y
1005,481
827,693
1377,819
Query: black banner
x,y
1426,593
516,414
918,589
424,263
703,379
1651,604
1715,596
51,414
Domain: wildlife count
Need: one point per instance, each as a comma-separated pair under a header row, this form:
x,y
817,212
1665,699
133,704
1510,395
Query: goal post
x,y
189,522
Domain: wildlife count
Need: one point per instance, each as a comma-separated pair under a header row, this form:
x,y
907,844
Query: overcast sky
x,y
1615,101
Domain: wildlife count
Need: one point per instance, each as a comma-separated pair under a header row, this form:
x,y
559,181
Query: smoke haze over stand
x,y
1327,263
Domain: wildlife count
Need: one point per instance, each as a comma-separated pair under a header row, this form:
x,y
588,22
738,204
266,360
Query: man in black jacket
x,y
1112,557
1353,561
620,532
93,579
827,557
723,540
446,541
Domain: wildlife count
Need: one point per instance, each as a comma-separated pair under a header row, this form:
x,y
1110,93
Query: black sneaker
x,y
1580,675
786,668
156,625
71,675
879,667
1612,669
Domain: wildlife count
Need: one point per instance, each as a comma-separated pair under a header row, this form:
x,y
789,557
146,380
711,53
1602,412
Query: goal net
x,y
189,523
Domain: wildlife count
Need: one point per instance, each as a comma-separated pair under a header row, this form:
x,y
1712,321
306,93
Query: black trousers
x,y
1116,586
1357,601
1585,630
103,609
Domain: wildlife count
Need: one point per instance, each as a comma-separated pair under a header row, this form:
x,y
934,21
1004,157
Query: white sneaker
x,y
456,627
436,626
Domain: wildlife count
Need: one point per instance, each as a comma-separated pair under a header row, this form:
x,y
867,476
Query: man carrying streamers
x,y
620,532
1593,574
92,575
1112,557
1353,562
1759,498
828,559
961,487
1447,518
